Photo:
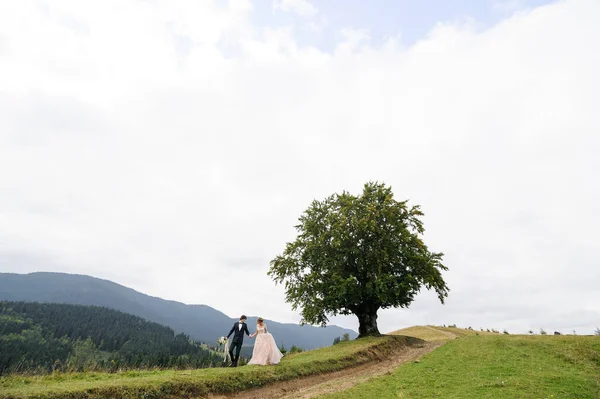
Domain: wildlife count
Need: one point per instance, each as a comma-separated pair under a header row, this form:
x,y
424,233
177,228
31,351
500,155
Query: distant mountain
x,y
200,322
52,336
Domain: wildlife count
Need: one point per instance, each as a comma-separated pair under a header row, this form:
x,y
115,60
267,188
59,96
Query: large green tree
x,y
356,255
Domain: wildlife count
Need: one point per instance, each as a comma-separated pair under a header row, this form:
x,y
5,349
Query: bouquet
x,y
223,341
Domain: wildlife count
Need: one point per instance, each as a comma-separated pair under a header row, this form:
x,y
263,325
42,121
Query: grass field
x,y
171,383
471,364
492,366
435,333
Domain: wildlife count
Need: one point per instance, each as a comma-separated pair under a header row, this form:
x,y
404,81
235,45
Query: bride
x,y
265,349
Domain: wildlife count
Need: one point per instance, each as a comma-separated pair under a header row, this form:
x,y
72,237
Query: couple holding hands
x,y
265,350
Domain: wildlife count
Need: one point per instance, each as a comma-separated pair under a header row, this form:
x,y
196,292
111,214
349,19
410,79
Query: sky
x,y
170,146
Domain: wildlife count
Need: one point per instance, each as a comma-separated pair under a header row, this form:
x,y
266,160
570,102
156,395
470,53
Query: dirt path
x,y
313,386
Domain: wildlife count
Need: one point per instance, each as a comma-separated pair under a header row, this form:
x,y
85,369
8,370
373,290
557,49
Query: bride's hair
x,y
259,320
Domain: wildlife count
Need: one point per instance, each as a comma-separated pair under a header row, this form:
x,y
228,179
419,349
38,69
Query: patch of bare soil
x,y
313,386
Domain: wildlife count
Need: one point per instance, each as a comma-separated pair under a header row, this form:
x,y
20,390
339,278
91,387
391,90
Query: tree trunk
x,y
367,323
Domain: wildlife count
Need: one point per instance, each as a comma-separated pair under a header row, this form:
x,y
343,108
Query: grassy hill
x,y
470,364
195,383
439,334
200,322
474,364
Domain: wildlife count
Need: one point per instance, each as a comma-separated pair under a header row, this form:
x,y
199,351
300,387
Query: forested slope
x,y
44,337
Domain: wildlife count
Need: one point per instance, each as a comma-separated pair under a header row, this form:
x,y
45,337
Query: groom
x,y
238,331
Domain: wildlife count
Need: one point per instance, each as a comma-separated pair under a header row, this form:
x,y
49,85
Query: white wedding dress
x,y
265,349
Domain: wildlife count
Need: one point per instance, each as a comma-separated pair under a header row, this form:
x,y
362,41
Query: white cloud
x,y
314,26
353,40
181,174
240,5
508,6
301,7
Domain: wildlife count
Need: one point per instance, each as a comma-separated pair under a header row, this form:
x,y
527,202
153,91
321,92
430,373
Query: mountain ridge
x,y
199,321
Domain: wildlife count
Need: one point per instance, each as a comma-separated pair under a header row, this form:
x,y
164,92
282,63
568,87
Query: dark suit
x,y
237,341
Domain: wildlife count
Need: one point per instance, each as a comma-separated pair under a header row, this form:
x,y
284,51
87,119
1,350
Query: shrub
x,y
543,332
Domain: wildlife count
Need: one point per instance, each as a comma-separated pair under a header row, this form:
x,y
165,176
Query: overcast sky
x,y
170,146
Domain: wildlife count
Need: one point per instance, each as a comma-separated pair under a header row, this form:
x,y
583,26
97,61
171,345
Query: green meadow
x,y
189,383
477,365
469,364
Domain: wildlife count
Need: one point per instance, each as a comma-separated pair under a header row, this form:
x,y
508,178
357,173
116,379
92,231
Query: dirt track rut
x,y
313,386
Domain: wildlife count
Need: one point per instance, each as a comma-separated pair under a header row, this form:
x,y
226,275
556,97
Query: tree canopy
x,y
356,255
